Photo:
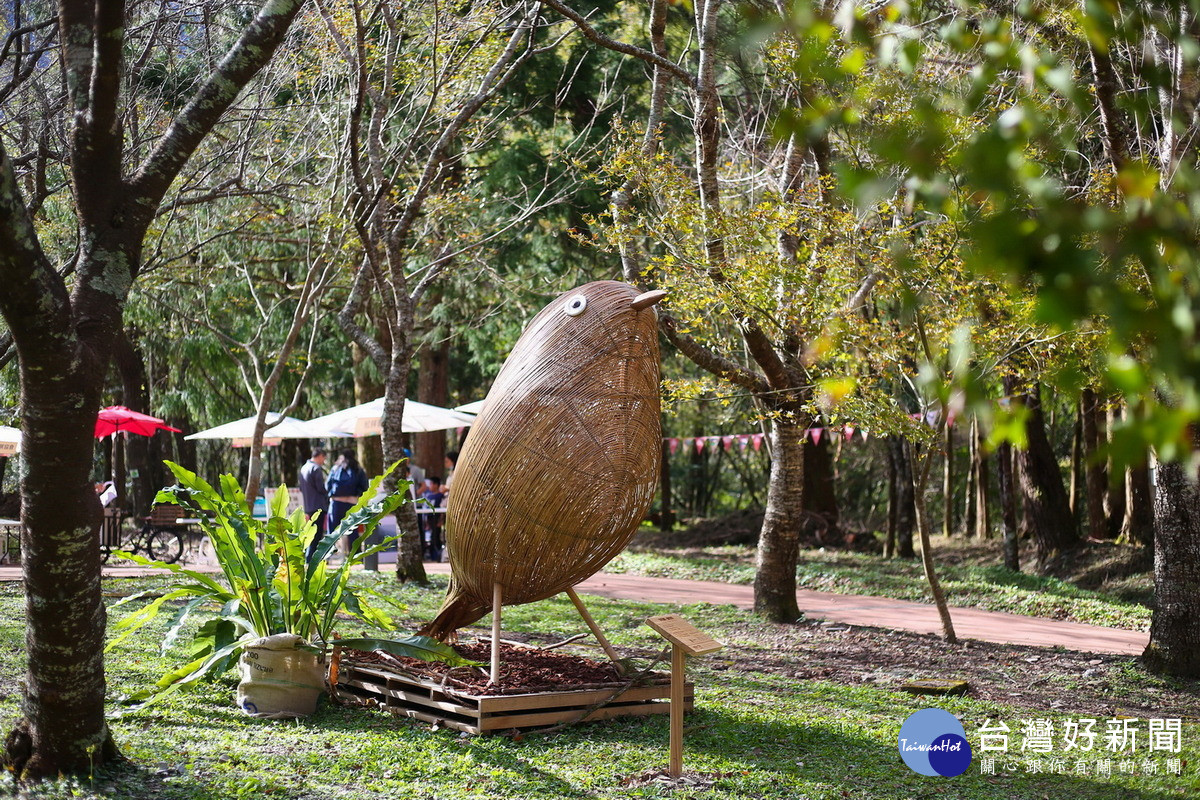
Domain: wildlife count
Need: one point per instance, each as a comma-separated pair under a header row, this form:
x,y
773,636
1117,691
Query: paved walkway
x,y
876,612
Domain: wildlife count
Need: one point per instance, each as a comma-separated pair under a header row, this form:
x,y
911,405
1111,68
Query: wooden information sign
x,y
686,639
677,630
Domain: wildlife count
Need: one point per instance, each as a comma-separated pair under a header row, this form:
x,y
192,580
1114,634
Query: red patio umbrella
x,y
120,418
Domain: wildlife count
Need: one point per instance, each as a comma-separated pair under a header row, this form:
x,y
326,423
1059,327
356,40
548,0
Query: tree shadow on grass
x,y
812,757
751,749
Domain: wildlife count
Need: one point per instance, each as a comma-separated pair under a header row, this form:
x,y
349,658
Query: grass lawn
x,y
968,571
758,731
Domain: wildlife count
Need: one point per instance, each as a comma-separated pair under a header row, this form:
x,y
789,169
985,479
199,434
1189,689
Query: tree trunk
x,y
893,503
948,486
1046,513
905,503
138,449
185,448
116,442
1093,417
779,542
1115,492
920,482
819,495
409,549
1174,646
983,503
433,387
1139,506
1008,506
972,489
366,389
64,338
1076,460
64,729
666,519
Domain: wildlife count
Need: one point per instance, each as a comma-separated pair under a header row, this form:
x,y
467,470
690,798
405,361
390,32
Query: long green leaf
x,y
176,679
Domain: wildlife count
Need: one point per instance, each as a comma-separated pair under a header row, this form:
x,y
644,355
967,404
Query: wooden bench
x,y
166,515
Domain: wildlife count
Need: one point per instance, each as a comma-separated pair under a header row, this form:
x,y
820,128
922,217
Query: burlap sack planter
x,y
279,681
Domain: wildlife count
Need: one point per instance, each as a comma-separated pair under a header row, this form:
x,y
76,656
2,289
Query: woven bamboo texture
x,y
562,464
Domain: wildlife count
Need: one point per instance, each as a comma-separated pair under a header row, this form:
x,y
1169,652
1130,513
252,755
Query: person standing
x,y
346,483
313,494
431,499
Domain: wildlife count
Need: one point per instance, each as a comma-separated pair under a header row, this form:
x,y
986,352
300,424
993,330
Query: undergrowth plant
x,y
270,586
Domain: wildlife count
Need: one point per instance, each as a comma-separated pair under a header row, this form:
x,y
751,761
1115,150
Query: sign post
x,y
686,640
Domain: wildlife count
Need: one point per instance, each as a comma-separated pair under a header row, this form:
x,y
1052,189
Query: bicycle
x,y
160,544
157,541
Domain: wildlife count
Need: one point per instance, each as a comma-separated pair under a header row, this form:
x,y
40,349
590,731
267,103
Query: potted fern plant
x,y
276,610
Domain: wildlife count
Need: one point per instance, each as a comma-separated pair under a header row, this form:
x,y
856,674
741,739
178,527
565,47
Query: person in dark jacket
x,y
346,483
315,498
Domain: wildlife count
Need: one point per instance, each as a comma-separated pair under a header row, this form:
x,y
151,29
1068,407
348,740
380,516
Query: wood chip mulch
x,y
523,670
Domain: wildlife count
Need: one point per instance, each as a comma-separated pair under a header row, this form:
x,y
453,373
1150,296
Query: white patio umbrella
x,y
243,429
10,441
471,408
364,420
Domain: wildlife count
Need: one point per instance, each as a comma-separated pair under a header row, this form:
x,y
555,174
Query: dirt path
x,y
862,610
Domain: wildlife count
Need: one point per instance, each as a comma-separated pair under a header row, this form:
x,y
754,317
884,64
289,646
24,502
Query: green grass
x,y
967,585
764,735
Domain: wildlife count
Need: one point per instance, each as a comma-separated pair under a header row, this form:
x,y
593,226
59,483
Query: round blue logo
x,y
933,742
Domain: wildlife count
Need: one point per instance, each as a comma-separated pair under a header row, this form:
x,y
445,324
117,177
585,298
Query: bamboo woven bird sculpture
x,y
562,463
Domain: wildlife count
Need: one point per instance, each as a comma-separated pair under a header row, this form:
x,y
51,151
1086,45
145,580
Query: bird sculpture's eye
x,y
575,305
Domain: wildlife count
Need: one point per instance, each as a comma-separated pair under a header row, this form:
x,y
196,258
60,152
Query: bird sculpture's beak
x,y
647,299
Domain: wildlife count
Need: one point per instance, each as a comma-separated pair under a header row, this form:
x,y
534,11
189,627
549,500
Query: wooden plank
x,y
678,678
506,721
385,677
422,699
389,693
513,702
434,719
678,631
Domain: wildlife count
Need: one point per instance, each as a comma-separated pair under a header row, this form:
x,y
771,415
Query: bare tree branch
x,y
654,59
252,50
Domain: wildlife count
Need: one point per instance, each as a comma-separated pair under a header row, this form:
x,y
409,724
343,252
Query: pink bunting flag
x,y
699,444
743,441
672,445
757,439
727,441
848,433
816,434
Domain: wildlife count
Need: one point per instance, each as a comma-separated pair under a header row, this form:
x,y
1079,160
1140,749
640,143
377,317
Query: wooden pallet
x,y
421,698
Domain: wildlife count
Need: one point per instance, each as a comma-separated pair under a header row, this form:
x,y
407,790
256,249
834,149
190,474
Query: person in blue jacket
x,y
345,484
